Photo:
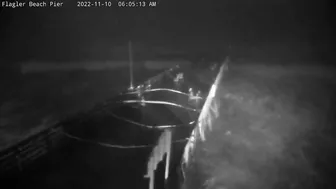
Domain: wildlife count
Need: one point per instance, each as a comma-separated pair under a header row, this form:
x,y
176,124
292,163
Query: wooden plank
x,y
36,154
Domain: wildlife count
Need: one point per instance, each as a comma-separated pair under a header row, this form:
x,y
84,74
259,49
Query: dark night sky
x,y
70,33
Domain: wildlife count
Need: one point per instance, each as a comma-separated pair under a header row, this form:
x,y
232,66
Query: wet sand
x,y
276,129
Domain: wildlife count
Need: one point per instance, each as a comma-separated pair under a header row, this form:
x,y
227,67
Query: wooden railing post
x,y
18,159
